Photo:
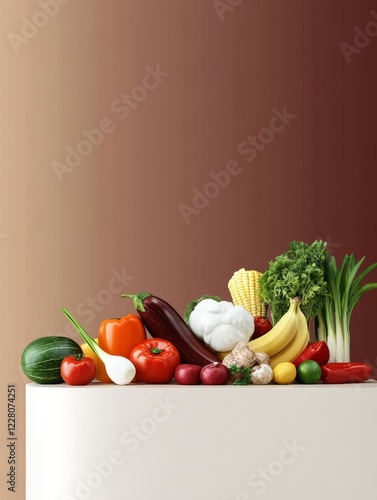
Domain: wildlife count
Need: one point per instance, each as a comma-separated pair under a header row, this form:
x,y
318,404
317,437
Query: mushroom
x,y
239,361
241,355
262,358
261,374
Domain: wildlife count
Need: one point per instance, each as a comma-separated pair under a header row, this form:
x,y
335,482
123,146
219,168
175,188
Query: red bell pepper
x,y
342,373
316,351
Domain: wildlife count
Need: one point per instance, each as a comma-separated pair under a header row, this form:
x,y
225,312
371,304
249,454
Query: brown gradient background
x,y
118,210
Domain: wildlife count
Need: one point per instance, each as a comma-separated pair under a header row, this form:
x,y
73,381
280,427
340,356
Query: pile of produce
x,y
260,337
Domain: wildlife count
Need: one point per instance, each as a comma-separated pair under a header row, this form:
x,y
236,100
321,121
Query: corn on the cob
x,y
244,289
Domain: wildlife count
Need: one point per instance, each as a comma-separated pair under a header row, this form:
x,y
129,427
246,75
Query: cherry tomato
x,y
77,370
155,361
262,325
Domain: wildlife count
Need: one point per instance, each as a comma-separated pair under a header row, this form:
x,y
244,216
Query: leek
x,y
332,322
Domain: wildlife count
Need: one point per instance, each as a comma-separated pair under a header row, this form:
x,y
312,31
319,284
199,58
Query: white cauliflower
x,y
221,325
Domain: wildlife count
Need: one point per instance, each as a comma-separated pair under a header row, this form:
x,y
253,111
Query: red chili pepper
x,y
342,373
316,351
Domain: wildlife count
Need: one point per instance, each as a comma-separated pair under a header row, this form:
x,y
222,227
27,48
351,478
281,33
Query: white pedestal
x,y
171,442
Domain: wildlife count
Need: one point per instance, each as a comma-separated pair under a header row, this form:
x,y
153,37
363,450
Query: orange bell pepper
x,y
120,336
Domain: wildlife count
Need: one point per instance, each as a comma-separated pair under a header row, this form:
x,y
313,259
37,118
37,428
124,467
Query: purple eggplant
x,y
164,322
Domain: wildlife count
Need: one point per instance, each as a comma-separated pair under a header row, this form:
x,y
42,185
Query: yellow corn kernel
x,y
257,306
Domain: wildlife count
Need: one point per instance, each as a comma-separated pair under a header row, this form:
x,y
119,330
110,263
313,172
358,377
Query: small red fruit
x,y
262,325
187,374
77,370
215,374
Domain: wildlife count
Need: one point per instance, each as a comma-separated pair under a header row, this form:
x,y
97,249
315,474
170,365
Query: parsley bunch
x,y
299,272
240,376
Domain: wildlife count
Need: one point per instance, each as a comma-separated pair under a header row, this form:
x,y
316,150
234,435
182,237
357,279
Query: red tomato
x,y
262,325
76,370
155,361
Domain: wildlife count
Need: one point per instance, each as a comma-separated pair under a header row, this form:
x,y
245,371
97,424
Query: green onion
x,y
119,369
345,290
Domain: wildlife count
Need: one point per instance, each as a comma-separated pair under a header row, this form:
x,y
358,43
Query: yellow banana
x,y
297,345
278,337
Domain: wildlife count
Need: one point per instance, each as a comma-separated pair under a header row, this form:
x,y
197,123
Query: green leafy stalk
x,y
345,290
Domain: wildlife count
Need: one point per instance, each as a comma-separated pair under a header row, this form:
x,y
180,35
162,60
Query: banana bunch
x,y
297,344
287,339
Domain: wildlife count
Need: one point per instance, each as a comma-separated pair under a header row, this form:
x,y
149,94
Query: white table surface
x,y
172,442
